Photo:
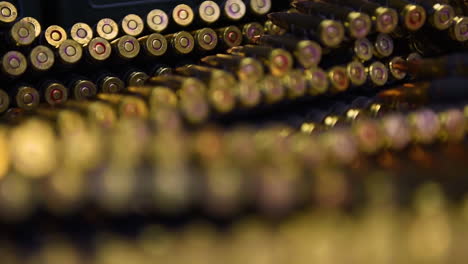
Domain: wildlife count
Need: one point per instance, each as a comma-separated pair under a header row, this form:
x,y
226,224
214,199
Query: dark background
x,y
67,12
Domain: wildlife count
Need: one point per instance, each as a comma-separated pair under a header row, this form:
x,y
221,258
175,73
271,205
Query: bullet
x,y
107,29
412,16
220,92
54,92
182,42
318,81
396,73
157,96
234,10
279,61
358,24
135,77
70,52
14,63
185,86
356,73
295,83
307,52
252,30
108,83
248,94
99,49
378,73
82,33
154,45
8,12
65,121
222,98
82,89
230,36
368,134
459,30
260,7
363,49
162,71
247,69
97,113
25,97
385,19
132,25
55,35
206,39
127,106
209,12
21,33
126,47
453,126
194,108
329,32
41,58
4,98
157,20
33,134
272,29
440,15
273,89
212,76
35,24
396,130
383,46
338,79
183,15
425,126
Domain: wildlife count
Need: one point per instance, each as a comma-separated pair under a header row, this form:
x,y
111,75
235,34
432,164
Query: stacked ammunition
x,y
237,129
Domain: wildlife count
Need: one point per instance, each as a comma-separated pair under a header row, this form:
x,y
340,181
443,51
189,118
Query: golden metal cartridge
x,y
357,73
252,30
182,42
247,69
55,35
70,52
260,7
81,33
82,89
107,29
206,39
318,81
14,63
26,97
234,10
37,28
378,73
126,47
54,93
338,77
22,33
230,36
132,25
209,12
157,20
41,58
8,12
154,45
183,15
99,49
